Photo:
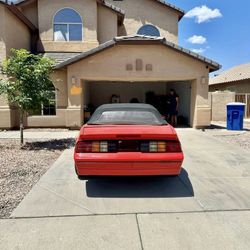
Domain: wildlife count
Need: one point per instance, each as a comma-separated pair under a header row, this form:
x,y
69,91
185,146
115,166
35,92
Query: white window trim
x,y
148,24
55,23
42,105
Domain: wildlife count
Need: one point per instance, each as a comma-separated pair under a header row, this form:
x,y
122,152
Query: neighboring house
x,y
103,49
236,79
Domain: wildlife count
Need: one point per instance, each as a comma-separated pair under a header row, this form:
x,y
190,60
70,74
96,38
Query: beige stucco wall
x,y
13,34
238,87
59,78
17,34
5,118
46,11
31,12
168,65
107,24
142,12
219,101
59,120
2,35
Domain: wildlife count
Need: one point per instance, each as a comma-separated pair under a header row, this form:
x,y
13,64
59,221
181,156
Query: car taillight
x,y
104,146
173,146
128,146
95,147
160,146
83,147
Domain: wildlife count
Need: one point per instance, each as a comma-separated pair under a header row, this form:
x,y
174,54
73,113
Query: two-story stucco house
x,y
121,48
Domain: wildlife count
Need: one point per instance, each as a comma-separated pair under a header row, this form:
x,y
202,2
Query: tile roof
x,y
20,1
60,57
111,6
140,39
182,12
11,7
103,2
120,11
237,73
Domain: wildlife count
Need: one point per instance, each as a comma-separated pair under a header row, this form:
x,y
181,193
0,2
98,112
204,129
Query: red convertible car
x,y
127,140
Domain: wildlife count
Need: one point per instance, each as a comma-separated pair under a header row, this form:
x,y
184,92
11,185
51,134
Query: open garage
x,y
131,69
97,93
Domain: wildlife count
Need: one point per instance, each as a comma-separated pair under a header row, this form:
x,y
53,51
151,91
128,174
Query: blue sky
x,y
227,35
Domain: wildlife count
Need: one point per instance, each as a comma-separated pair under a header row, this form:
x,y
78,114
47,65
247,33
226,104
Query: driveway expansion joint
x,y
139,231
124,214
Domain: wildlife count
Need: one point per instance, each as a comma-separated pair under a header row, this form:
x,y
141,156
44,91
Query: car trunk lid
x,y
127,132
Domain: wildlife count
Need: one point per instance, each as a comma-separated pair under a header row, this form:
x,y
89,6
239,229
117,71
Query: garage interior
x,y
97,93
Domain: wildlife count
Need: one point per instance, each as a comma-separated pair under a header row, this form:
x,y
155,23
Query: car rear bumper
x,y
128,164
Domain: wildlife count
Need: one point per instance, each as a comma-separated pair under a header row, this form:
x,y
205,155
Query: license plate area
x,y
128,146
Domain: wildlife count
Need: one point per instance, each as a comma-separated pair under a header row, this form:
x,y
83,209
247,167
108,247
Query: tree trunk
x,y
21,126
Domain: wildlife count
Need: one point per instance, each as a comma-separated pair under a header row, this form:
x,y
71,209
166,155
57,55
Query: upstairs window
x,y
148,30
67,25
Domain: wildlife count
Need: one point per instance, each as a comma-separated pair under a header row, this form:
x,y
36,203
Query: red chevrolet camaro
x,y
127,140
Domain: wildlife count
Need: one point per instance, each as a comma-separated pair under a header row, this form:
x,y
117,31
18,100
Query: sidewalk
x,y
40,134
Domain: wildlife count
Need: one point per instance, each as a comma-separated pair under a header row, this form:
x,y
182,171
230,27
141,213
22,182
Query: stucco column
x,y
193,103
9,116
74,114
202,114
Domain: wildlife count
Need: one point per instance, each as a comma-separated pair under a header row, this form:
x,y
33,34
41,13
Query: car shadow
x,y
140,187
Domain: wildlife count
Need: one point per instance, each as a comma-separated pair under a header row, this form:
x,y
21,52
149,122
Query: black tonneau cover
x,y
127,113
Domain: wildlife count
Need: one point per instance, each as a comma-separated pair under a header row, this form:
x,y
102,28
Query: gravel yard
x,y
20,169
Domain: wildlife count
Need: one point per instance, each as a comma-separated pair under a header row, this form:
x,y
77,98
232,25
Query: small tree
x,y
27,82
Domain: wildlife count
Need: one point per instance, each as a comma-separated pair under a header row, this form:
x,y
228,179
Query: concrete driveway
x,y
207,207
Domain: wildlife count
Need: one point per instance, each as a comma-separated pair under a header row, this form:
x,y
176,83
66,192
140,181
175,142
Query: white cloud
x,y
203,14
197,39
199,51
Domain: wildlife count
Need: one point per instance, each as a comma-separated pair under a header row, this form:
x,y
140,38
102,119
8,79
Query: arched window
x,y
148,30
67,25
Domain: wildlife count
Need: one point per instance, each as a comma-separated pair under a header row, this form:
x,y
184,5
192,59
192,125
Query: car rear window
x,y
127,116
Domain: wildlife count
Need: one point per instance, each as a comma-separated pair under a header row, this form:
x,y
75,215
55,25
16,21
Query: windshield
x,y
126,116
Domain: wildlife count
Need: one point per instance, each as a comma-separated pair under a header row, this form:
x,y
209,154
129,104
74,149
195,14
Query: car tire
x,y
81,178
78,176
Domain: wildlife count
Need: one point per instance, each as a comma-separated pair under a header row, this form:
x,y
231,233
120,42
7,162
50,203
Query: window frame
x,y
42,106
54,100
148,25
67,24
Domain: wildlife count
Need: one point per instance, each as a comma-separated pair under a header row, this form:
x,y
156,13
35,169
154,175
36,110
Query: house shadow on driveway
x,y
49,144
140,187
